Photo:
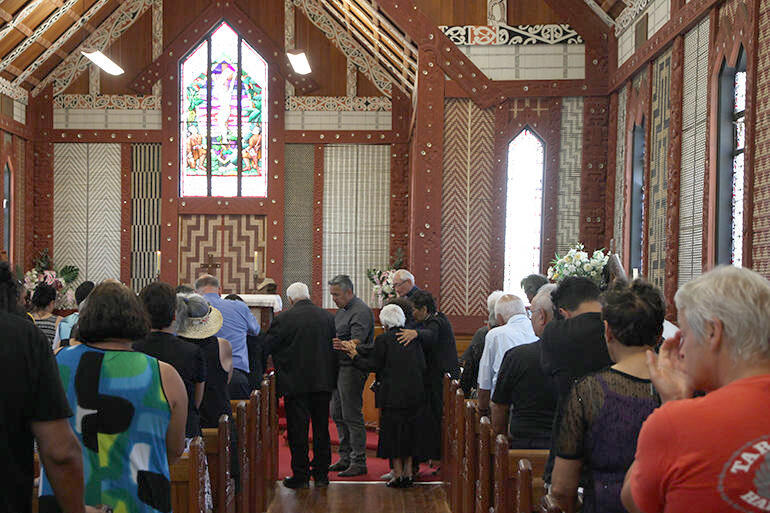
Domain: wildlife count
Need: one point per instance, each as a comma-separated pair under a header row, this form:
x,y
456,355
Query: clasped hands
x,y
348,346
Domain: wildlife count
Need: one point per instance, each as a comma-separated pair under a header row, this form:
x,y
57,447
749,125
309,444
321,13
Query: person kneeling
x,y
401,396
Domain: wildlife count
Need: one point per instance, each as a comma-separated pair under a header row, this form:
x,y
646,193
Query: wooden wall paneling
x,y
185,13
531,13
269,15
42,193
426,173
544,117
329,62
169,189
536,88
125,214
399,176
612,148
79,85
647,160
318,217
11,125
365,87
28,199
674,177
455,12
132,52
594,176
735,27
104,136
275,178
340,137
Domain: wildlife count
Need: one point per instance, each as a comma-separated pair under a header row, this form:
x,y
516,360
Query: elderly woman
x,y
401,395
130,408
604,411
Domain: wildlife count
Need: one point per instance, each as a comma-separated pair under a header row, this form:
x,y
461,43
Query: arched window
x,y
524,210
223,132
637,199
730,172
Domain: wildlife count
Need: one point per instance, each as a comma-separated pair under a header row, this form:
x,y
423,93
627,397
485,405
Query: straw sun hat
x,y
197,319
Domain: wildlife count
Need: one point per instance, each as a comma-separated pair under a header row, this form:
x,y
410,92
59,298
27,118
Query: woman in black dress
x,y
401,395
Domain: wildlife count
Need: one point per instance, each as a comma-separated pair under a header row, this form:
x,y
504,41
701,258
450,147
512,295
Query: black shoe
x,y
354,470
339,466
294,483
321,482
394,483
407,482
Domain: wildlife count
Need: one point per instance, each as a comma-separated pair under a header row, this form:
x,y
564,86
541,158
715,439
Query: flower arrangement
x,y
383,285
63,280
577,262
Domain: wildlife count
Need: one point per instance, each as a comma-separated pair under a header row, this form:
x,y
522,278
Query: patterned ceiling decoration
x,y
106,101
339,103
110,30
15,92
629,14
500,35
19,18
348,45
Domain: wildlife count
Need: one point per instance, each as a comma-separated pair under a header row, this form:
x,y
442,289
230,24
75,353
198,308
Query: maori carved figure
x,y
497,12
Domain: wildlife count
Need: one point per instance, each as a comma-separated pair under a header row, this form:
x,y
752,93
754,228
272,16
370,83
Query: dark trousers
x,y
346,411
300,410
239,385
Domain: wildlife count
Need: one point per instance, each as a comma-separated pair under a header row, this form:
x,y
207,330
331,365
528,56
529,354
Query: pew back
x,y
188,480
458,448
471,460
445,429
217,444
486,463
515,489
254,417
242,428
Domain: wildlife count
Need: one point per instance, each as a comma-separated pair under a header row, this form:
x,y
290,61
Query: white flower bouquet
x,y
62,280
383,285
577,262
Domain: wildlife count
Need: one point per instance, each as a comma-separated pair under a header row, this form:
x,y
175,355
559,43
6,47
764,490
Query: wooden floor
x,y
360,498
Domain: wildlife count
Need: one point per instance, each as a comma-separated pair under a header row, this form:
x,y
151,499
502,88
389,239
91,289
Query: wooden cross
x,y
210,266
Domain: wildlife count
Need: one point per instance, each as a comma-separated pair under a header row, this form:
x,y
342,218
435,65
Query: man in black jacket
x,y
300,341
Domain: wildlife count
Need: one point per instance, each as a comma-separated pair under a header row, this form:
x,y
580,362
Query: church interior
x,y
469,141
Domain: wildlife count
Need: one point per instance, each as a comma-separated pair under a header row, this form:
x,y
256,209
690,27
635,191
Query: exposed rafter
x,y
17,21
53,48
601,13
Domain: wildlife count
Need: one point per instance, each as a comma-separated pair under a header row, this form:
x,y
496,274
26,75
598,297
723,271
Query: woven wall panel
x,y
696,51
298,215
230,241
145,213
761,240
620,171
570,162
466,207
661,113
87,209
356,214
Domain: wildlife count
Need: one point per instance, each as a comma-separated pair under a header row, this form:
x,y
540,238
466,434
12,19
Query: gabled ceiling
x,y
37,35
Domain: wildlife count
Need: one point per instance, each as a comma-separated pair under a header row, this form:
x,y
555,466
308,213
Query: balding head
x,y
542,308
207,284
507,306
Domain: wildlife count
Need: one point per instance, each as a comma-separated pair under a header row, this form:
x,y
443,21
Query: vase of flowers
x,y
63,280
577,262
383,285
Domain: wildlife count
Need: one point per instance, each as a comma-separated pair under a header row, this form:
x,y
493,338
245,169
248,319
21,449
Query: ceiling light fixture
x,y
103,62
299,62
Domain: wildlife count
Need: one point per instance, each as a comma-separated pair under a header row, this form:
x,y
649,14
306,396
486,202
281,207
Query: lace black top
x,y
602,416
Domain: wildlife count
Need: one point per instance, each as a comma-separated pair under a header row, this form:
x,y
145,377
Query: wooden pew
x,y
548,505
471,461
273,428
188,480
486,457
458,449
240,412
217,444
509,490
449,449
266,437
445,425
254,415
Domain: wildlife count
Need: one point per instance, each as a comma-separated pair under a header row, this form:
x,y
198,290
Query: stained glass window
x,y
222,127
524,210
739,146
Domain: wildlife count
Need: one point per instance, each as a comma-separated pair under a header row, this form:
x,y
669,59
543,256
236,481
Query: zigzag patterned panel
x,y
761,240
466,207
661,109
570,162
356,214
241,236
87,209
696,52
620,170
298,218
145,213
199,237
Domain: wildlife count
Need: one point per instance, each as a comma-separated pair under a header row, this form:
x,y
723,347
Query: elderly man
x,y
238,321
522,385
472,356
354,324
532,284
513,329
300,340
403,283
709,454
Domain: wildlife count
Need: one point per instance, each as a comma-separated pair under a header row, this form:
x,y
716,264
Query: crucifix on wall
x,y
210,267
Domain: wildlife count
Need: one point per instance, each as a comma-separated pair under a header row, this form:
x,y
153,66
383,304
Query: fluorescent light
x,y
104,62
299,62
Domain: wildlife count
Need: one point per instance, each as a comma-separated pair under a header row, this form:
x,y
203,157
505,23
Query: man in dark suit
x,y
300,340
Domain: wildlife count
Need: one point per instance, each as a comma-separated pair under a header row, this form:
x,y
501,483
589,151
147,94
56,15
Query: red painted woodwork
x,y
41,195
612,151
399,177
535,88
125,213
103,136
594,176
11,125
318,221
340,137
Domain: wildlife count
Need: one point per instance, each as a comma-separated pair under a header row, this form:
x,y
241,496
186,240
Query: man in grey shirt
x,y
354,323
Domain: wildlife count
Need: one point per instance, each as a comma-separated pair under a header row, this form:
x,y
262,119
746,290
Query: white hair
x,y
391,316
543,299
740,298
491,300
509,305
297,291
403,274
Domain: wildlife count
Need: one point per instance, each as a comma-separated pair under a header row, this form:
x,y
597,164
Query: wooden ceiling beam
x,y
16,21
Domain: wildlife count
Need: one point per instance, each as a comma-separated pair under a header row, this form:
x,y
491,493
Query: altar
x,y
263,306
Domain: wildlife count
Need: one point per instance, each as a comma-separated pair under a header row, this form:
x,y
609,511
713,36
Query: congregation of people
x,y
115,392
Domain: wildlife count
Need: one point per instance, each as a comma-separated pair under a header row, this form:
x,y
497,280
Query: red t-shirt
x,y
710,454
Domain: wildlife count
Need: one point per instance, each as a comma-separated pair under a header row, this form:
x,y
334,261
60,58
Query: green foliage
x,y
69,273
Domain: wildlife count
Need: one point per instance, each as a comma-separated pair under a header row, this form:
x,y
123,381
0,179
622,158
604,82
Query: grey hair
x,y
543,299
343,281
491,300
189,306
297,291
532,284
404,275
740,299
391,316
508,306
206,280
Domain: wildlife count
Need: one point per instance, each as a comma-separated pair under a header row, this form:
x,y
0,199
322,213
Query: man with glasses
x,y
403,283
